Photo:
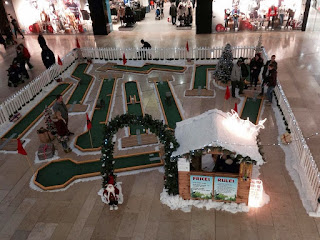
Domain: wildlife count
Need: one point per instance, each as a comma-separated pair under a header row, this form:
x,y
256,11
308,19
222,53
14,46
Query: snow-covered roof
x,y
217,128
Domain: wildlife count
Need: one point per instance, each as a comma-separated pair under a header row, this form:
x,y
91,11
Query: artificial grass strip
x,y
59,172
149,67
170,109
201,76
79,93
37,111
251,109
99,115
131,89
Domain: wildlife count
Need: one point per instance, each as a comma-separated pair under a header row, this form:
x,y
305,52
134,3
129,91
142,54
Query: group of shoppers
x,y
269,75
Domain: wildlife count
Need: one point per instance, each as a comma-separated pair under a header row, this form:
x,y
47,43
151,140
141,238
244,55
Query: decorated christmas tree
x,y
49,123
259,45
224,66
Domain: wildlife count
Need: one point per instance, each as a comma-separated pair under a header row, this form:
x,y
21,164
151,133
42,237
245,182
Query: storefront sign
x,y
201,187
225,188
183,165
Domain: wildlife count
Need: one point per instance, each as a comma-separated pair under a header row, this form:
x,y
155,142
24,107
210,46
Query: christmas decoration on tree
x,y
225,64
166,137
259,47
49,123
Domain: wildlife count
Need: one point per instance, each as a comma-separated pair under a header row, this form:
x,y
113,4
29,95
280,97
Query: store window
x,y
53,16
313,23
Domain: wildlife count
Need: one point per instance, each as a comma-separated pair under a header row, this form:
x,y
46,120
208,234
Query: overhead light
x,y
6,2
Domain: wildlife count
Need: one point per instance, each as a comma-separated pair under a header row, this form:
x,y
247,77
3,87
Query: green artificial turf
x,y
36,111
251,109
147,67
131,89
201,76
99,115
57,173
170,108
83,84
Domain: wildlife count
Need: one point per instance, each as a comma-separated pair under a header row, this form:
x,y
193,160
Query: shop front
x,y
252,15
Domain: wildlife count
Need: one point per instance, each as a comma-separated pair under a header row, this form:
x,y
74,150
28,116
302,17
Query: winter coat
x,y
61,127
265,68
62,108
272,78
256,65
47,56
173,11
26,53
244,70
42,42
235,73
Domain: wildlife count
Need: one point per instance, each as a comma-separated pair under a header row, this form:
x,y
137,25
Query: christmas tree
x,y
259,46
225,64
49,123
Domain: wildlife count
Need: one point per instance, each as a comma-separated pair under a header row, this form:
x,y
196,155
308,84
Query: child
x,y
62,131
26,55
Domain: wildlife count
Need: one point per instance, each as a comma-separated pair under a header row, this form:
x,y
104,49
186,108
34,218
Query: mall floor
x,y
78,212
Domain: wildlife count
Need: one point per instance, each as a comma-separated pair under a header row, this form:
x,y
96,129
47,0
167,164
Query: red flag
x,y
124,60
77,43
227,94
59,61
89,125
235,107
20,148
187,46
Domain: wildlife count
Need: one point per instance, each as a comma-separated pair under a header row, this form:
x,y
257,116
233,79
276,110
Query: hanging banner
x,y
225,188
201,187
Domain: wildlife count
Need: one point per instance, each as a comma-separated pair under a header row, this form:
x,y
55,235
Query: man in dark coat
x,y
48,58
173,13
271,82
42,42
256,64
265,72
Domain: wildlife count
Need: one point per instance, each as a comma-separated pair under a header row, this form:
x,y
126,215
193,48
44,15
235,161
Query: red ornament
x,y
50,29
80,28
220,28
31,28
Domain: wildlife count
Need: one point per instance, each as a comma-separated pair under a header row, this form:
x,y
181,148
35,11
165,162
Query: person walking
x,y
236,80
256,64
26,55
60,106
42,42
62,130
265,72
173,13
271,82
47,56
16,27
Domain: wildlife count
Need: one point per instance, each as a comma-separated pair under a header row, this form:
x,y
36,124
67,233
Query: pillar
x,y
99,16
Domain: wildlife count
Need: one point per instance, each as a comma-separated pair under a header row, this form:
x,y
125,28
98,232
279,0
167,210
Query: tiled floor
x,y
78,212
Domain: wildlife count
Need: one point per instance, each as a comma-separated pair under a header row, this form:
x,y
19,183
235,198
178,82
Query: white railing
x,y
300,147
26,94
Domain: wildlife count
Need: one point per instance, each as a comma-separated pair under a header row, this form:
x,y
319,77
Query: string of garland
x,y
283,117
166,137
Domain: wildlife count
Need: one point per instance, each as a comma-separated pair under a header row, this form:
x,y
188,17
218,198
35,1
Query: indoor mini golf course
x,y
168,104
145,69
85,81
251,109
133,104
21,127
201,77
99,118
60,173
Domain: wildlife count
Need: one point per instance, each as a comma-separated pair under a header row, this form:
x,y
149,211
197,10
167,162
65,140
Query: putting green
x,y
133,105
169,106
201,76
60,172
251,109
83,86
100,116
33,115
148,68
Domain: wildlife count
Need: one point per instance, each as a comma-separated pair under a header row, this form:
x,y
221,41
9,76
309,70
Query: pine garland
x,y
166,137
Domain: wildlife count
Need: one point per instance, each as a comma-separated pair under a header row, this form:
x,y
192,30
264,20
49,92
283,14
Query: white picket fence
x,y
26,94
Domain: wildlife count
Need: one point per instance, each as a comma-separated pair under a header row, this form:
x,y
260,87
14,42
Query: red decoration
x,y
187,46
235,107
80,28
89,125
31,28
20,148
220,28
77,43
168,19
50,29
227,94
59,61
124,60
